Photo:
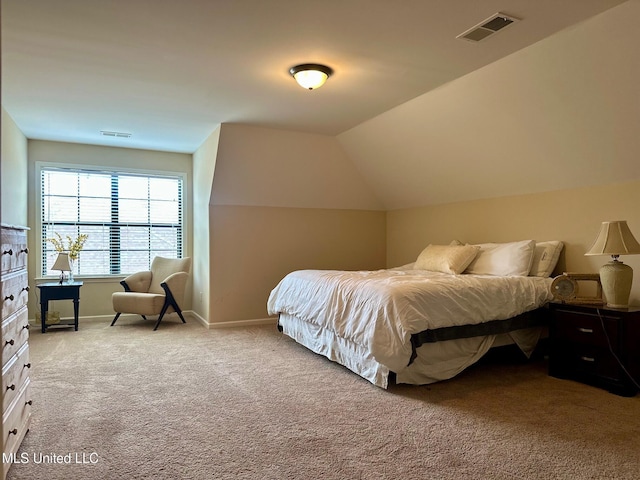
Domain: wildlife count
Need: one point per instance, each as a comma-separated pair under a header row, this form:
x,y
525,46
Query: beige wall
x,y
96,293
282,201
13,173
572,215
282,168
204,163
254,247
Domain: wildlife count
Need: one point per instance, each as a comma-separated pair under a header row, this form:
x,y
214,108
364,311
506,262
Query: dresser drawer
x,y
14,292
13,249
14,375
585,328
16,420
15,333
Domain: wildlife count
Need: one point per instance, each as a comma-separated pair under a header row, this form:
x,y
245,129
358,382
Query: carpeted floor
x,y
185,402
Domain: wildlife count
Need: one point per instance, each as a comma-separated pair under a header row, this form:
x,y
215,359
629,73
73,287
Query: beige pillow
x,y
545,258
446,258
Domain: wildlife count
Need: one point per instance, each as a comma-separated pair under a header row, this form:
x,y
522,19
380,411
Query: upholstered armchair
x,y
154,292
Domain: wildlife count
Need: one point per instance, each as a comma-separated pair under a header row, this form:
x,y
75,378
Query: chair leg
x,y
169,301
114,320
164,310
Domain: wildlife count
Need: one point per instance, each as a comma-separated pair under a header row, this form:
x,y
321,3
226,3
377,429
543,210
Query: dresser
x,y
14,291
596,345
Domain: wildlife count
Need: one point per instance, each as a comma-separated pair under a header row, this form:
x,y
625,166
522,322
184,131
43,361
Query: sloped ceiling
x,y
559,114
169,72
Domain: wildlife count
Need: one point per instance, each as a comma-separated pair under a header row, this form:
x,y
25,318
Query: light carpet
x,y
185,402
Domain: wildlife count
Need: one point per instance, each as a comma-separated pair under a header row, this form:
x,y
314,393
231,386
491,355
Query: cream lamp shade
x,y
62,264
310,75
615,239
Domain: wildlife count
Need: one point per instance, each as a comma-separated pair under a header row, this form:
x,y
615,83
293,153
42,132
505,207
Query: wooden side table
x,y
59,291
597,345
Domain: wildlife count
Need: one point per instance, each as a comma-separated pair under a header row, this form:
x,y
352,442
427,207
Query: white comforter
x,y
379,310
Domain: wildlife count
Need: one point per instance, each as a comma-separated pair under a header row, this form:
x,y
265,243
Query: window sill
x,y
86,279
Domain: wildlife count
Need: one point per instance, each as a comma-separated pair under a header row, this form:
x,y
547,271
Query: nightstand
x,y
592,344
59,291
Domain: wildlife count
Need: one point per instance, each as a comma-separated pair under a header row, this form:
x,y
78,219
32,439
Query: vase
x,y
71,271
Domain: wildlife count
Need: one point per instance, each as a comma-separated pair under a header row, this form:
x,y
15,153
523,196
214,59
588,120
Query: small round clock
x,y
564,288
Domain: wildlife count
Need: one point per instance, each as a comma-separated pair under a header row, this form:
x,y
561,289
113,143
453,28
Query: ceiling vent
x,y
107,133
488,27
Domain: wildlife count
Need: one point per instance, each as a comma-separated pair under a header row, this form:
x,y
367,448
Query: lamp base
x,y
616,279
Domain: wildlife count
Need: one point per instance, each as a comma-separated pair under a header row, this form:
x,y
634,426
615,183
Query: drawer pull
x,y
11,387
29,402
587,359
13,432
24,250
9,342
27,365
10,252
585,330
27,326
9,297
25,289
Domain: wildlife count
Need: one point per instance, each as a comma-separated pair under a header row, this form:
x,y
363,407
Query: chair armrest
x,y
137,282
176,283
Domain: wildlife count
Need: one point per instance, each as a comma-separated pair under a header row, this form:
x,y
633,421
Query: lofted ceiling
x,y
169,72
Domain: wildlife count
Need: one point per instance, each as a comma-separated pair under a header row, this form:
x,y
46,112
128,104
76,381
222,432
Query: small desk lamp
x,y
62,264
615,239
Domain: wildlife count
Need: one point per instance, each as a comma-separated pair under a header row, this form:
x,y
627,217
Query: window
x,y
129,218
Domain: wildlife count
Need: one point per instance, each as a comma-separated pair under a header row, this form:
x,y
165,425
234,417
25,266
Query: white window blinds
x,y
129,218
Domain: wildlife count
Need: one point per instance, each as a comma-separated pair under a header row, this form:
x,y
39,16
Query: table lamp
x,y
615,239
62,264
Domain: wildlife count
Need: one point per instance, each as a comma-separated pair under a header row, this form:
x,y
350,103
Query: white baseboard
x,y
197,318
234,323
187,313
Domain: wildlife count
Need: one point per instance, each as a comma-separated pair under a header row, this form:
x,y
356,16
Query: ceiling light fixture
x,y
310,75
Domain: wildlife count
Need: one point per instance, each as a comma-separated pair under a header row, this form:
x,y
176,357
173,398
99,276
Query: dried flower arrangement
x,y
73,247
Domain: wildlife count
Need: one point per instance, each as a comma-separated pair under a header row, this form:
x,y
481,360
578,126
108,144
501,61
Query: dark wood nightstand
x,y
59,291
595,345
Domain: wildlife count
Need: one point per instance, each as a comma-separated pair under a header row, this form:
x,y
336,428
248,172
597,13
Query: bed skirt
x,y
434,362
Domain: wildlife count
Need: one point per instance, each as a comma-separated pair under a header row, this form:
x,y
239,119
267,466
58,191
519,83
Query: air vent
x,y
487,27
107,133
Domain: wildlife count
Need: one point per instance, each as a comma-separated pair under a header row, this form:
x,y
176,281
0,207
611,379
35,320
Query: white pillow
x,y
545,258
446,258
506,259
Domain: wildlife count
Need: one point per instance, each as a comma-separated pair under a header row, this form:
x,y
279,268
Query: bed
x,y
425,321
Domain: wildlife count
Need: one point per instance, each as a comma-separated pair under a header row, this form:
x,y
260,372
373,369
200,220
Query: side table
x,y
59,291
598,345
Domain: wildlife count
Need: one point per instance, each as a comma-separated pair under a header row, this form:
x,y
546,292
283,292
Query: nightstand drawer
x,y
576,359
586,329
